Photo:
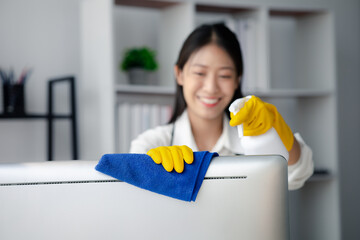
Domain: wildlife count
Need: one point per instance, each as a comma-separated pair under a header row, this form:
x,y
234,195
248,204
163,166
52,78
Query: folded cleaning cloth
x,y
141,171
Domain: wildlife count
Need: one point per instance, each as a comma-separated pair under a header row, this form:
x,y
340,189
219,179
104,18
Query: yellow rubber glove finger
x,y
162,155
254,116
239,118
282,129
177,157
155,155
167,159
188,154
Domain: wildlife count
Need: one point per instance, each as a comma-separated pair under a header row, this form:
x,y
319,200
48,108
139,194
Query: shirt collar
x,y
183,135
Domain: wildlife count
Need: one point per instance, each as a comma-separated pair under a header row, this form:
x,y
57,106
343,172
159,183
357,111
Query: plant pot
x,y
138,76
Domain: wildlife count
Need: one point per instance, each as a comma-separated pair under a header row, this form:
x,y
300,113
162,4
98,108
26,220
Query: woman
x,y
208,75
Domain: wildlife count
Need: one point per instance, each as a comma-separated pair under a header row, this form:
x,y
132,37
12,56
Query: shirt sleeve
x,y
302,170
152,138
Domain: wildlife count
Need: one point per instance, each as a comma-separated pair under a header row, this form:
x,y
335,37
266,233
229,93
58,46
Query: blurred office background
x,y
49,35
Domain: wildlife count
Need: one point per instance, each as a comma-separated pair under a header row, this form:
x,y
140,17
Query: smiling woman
x,y
208,76
208,86
208,73
220,49
208,83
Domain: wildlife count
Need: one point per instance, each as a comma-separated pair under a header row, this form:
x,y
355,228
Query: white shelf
x,y
143,89
291,61
290,93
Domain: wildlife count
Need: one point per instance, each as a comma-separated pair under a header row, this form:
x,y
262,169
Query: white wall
x,y
43,35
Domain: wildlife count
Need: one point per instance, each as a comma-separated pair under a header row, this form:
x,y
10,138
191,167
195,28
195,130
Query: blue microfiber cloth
x,y
141,171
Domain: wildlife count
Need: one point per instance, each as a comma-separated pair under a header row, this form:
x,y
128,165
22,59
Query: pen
x,y
22,76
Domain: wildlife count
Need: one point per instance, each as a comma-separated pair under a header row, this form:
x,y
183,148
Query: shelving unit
x,y
147,90
289,52
50,117
134,101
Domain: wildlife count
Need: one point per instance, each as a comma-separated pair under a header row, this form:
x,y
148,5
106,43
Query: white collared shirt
x,y
228,144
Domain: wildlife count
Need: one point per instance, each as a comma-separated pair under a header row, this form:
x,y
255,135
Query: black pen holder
x,y
13,99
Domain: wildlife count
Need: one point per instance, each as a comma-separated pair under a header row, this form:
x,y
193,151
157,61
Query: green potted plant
x,y
138,62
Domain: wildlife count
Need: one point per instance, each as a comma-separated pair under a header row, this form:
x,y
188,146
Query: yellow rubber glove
x,y
172,157
258,117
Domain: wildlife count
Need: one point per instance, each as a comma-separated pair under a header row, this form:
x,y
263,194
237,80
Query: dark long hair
x,y
222,36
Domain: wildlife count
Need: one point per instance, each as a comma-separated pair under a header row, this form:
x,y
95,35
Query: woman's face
x,y
209,80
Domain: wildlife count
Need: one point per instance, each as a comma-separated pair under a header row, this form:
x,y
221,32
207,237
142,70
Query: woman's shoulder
x,y
152,138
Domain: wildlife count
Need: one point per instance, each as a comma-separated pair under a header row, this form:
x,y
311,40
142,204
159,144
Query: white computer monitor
x,y
242,197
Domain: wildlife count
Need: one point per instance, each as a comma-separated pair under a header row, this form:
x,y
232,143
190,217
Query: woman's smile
x,y
209,101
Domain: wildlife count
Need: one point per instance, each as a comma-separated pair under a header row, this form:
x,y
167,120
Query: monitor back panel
x,y
240,198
